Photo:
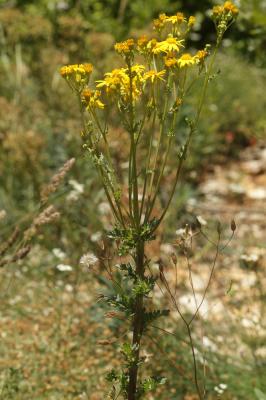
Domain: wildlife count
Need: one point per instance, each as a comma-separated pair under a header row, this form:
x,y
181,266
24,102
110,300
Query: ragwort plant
x,y
147,93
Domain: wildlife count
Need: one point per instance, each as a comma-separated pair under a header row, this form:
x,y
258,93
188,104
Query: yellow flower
x,y
159,23
117,82
217,10
137,68
125,47
91,98
186,60
170,62
176,19
152,44
65,71
154,75
191,21
77,75
142,42
227,8
78,69
168,45
230,7
113,80
201,55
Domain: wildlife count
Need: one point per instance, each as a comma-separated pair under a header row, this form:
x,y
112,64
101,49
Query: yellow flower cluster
x,y
225,10
186,60
113,80
128,83
176,19
142,44
79,73
118,81
125,47
163,19
91,98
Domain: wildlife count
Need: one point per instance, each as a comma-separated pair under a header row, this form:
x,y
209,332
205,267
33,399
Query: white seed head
x,y
88,260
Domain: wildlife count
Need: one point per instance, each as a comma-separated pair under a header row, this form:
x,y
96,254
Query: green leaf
x,y
259,394
153,315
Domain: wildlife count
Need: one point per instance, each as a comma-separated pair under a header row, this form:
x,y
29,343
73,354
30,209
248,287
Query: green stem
x,y
99,169
133,152
161,134
147,164
137,327
192,131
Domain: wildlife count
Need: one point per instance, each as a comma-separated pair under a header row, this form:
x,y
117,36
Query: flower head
x,y
78,69
201,55
170,61
217,10
153,75
176,19
142,43
230,7
125,47
137,69
91,99
167,46
117,82
151,44
88,260
113,80
186,60
191,21
159,23
77,75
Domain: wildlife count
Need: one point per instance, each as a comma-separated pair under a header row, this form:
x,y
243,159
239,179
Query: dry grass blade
x,y
56,180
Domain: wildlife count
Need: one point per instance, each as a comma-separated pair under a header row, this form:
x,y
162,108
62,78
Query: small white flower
x,y
78,187
223,386
59,253
88,260
218,390
64,268
69,288
95,237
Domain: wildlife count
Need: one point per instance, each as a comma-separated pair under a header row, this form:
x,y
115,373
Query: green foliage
x,y
150,385
123,303
259,394
37,136
10,383
151,316
129,237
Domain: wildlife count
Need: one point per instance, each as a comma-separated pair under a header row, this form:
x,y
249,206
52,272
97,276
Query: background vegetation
x,y
53,316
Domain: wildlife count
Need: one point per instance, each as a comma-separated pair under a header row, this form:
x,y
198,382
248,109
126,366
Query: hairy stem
x,y
137,326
